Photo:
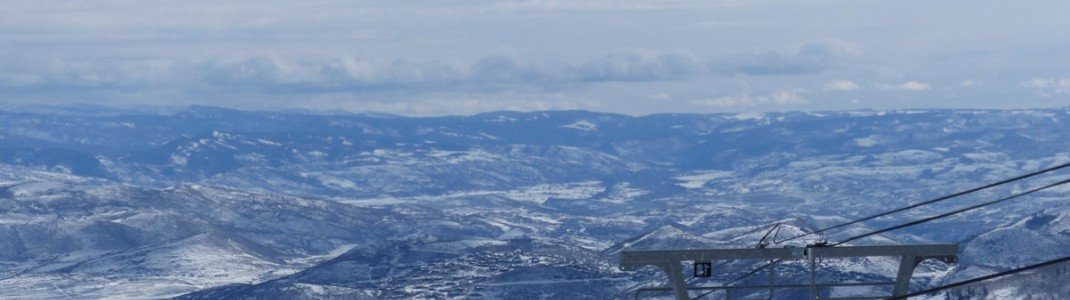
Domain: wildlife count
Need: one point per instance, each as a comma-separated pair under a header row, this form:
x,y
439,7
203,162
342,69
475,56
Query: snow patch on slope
x,y
582,125
699,179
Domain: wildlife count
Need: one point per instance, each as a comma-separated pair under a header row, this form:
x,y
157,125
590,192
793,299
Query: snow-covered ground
x,y
500,205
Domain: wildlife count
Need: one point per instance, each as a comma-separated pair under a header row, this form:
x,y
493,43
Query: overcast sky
x,y
464,57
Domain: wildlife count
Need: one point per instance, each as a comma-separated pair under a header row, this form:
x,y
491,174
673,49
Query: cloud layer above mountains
x,y
636,57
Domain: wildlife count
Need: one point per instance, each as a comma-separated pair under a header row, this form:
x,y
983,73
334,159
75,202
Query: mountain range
x,y
208,203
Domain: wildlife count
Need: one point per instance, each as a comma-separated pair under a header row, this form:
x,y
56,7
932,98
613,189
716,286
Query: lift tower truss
x,y
671,262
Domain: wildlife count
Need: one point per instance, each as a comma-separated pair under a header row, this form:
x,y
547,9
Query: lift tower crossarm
x,y
670,261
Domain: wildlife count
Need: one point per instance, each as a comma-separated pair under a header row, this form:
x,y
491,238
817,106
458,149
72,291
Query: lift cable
x,y
908,207
761,242
947,286
982,278
939,199
1008,198
916,222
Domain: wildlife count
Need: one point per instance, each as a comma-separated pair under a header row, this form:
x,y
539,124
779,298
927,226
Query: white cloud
x,y
780,98
786,97
914,86
841,85
969,83
1048,87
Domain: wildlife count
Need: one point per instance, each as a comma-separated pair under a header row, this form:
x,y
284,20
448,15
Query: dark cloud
x,y
809,58
488,73
637,67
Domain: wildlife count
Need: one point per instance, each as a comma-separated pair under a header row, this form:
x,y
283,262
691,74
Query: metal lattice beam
x,y
671,262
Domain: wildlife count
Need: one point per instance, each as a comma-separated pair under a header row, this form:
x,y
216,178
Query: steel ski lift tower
x,y
672,263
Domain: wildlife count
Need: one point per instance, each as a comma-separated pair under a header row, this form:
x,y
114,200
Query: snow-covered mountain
x,y
209,202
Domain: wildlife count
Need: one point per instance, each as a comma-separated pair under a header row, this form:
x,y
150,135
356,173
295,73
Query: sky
x,y
425,58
